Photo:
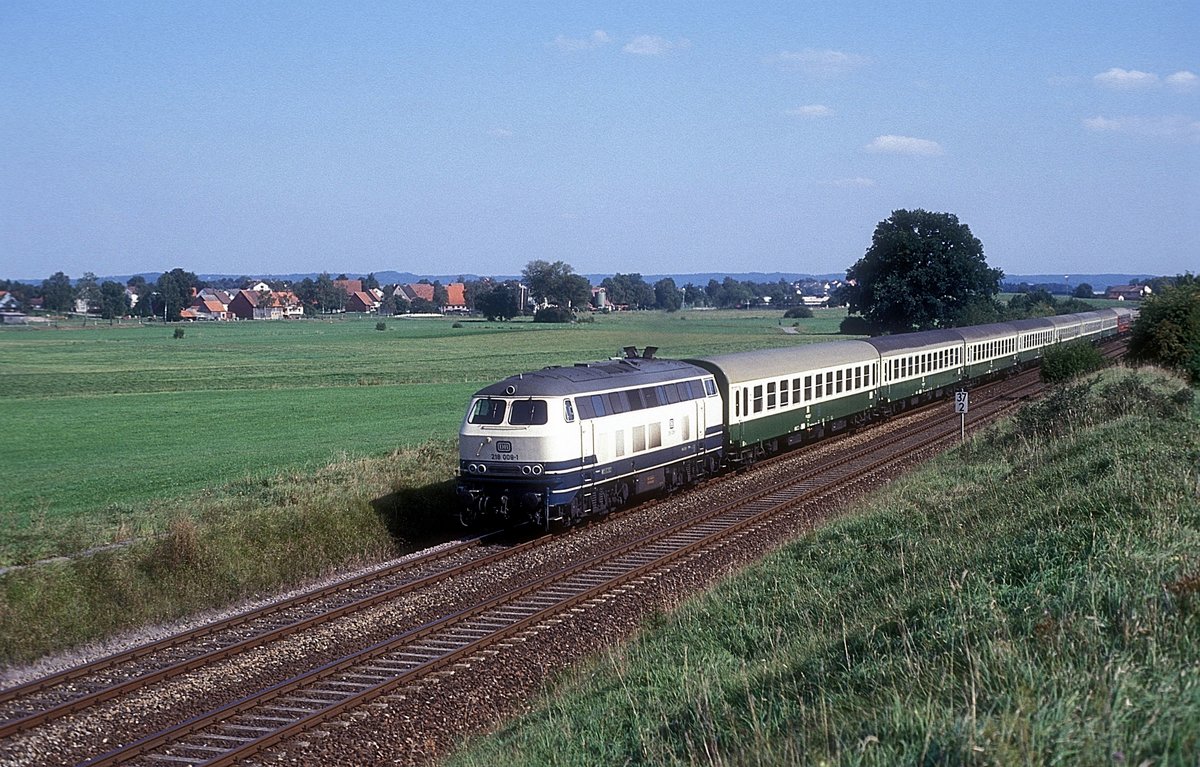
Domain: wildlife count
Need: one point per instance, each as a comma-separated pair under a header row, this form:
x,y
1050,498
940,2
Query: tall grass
x,y
1033,597
250,537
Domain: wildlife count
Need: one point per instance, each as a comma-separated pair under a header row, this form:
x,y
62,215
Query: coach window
x,y
858,376
808,389
783,393
488,412
829,384
771,395
820,386
797,391
758,398
837,383
568,411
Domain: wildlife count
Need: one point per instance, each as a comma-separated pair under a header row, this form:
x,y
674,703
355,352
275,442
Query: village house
x,y
266,305
350,286
456,295
1128,292
361,301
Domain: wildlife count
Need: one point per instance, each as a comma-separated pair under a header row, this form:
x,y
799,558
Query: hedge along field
x,y
117,427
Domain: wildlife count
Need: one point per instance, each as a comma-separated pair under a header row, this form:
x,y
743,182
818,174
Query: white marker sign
x,y
962,402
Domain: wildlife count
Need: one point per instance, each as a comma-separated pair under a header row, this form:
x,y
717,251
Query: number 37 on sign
x,y
962,401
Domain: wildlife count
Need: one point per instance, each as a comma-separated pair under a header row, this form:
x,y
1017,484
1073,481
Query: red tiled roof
x,y
456,294
350,286
420,290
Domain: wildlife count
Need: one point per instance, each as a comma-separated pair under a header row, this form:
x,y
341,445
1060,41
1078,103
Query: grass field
x,y
114,429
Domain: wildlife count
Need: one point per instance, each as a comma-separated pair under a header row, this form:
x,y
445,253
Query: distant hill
x,y
1099,282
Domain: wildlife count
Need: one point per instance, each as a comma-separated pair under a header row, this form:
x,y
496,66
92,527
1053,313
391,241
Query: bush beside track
x,y
1031,597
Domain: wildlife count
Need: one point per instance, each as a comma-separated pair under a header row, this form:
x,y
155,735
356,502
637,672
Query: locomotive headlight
x,y
472,468
536,469
524,469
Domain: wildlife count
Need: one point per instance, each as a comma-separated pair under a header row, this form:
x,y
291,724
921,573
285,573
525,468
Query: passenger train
x,y
565,443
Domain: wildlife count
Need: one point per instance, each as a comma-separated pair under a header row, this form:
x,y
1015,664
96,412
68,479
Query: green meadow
x,y
114,429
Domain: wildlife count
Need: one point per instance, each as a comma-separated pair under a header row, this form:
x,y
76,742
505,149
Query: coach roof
x,y
772,363
904,342
587,377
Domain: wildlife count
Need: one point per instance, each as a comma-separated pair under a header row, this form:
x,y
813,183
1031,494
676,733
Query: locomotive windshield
x,y
525,412
487,411
528,412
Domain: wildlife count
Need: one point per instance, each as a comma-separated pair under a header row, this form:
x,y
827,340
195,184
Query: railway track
x,y
268,716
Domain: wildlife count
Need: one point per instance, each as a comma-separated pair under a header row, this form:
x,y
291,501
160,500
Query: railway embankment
x,y
1032,596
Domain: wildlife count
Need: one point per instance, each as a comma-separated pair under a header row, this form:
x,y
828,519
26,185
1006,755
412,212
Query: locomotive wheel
x,y
469,513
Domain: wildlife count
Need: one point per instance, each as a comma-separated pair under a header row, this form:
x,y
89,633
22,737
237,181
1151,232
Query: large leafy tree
x,y
629,290
920,272
498,301
557,283
58,294
113,300
174,290
1167,330
667,296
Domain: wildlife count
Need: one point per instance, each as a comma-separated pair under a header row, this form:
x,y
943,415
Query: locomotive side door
x,y
587,453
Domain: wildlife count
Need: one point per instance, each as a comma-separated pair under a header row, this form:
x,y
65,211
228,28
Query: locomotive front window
x,y
487,411
528,412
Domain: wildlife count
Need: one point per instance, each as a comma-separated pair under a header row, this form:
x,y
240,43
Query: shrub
x,y
1168,330
798,313
554,314
178,332
381,326
455,325
1066,361
854,325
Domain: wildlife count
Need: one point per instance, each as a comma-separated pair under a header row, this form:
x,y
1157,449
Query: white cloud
x,y
811,110
824,63
853,183
904,145
653,45
1183,80
595,40
1126,79
1132,80
1173,127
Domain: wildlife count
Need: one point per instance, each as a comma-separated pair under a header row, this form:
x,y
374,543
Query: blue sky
x,y
443,137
